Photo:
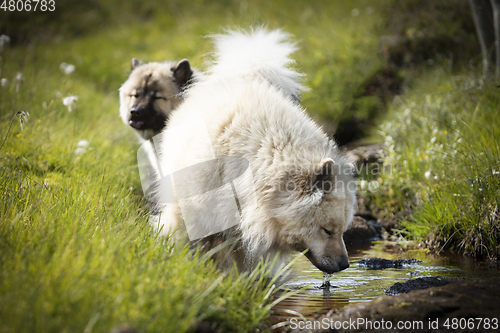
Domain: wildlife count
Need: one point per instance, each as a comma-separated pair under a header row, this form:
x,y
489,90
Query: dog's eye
x,y
158,97
328,232
134,95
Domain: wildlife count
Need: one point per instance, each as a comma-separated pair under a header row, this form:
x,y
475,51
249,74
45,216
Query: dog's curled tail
x,y
258,53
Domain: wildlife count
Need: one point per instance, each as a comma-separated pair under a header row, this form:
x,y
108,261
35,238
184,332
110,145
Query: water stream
x,y
356,284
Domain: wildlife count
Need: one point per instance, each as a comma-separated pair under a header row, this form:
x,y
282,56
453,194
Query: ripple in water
x,y
326,281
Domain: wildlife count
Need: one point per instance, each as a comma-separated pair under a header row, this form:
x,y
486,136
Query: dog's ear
x,y
135,63
322,178
182,73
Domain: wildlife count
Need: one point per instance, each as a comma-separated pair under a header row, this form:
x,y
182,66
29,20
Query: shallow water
x,y
357,285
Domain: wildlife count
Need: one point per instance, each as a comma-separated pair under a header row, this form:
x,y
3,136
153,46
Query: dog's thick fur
x,y
304,191
151,93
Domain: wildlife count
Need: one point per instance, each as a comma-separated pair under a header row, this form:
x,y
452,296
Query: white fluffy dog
x,y
242,161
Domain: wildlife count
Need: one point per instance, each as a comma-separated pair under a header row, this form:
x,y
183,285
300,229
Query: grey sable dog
x,y
151,92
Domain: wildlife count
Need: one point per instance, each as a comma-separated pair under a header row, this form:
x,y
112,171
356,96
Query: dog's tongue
x,y
136,124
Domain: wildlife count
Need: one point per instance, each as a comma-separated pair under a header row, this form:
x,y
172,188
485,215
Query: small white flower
x,y
427,174
433,139
19,79
389,141
79,151
355,12
82,143
4,82
4,40
67,68
70,102
373,186
494,172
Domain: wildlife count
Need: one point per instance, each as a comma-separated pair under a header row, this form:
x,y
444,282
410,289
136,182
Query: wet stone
x,y
379,263
419,283
366,154
361,231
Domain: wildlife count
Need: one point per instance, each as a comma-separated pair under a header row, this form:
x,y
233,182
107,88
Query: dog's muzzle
x,y
135,115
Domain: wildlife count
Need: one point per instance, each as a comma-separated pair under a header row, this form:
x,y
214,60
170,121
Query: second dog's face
x,y
151,93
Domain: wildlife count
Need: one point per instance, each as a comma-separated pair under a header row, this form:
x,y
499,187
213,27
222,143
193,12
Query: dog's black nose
x,y
343,265
134,111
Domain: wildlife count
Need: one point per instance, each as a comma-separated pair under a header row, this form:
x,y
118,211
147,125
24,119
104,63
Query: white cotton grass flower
x,y
70,102
67,68
4,40
19,80
79,151
81,147
389,141
427,174
82,144
373,186
4,82
363,185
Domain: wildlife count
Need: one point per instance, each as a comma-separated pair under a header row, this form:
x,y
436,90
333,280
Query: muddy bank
x,y
433,308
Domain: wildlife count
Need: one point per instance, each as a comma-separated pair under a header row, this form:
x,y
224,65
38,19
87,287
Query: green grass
x,y
444,148
440,182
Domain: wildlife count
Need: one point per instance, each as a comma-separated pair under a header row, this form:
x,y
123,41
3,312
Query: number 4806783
x,y
28,5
